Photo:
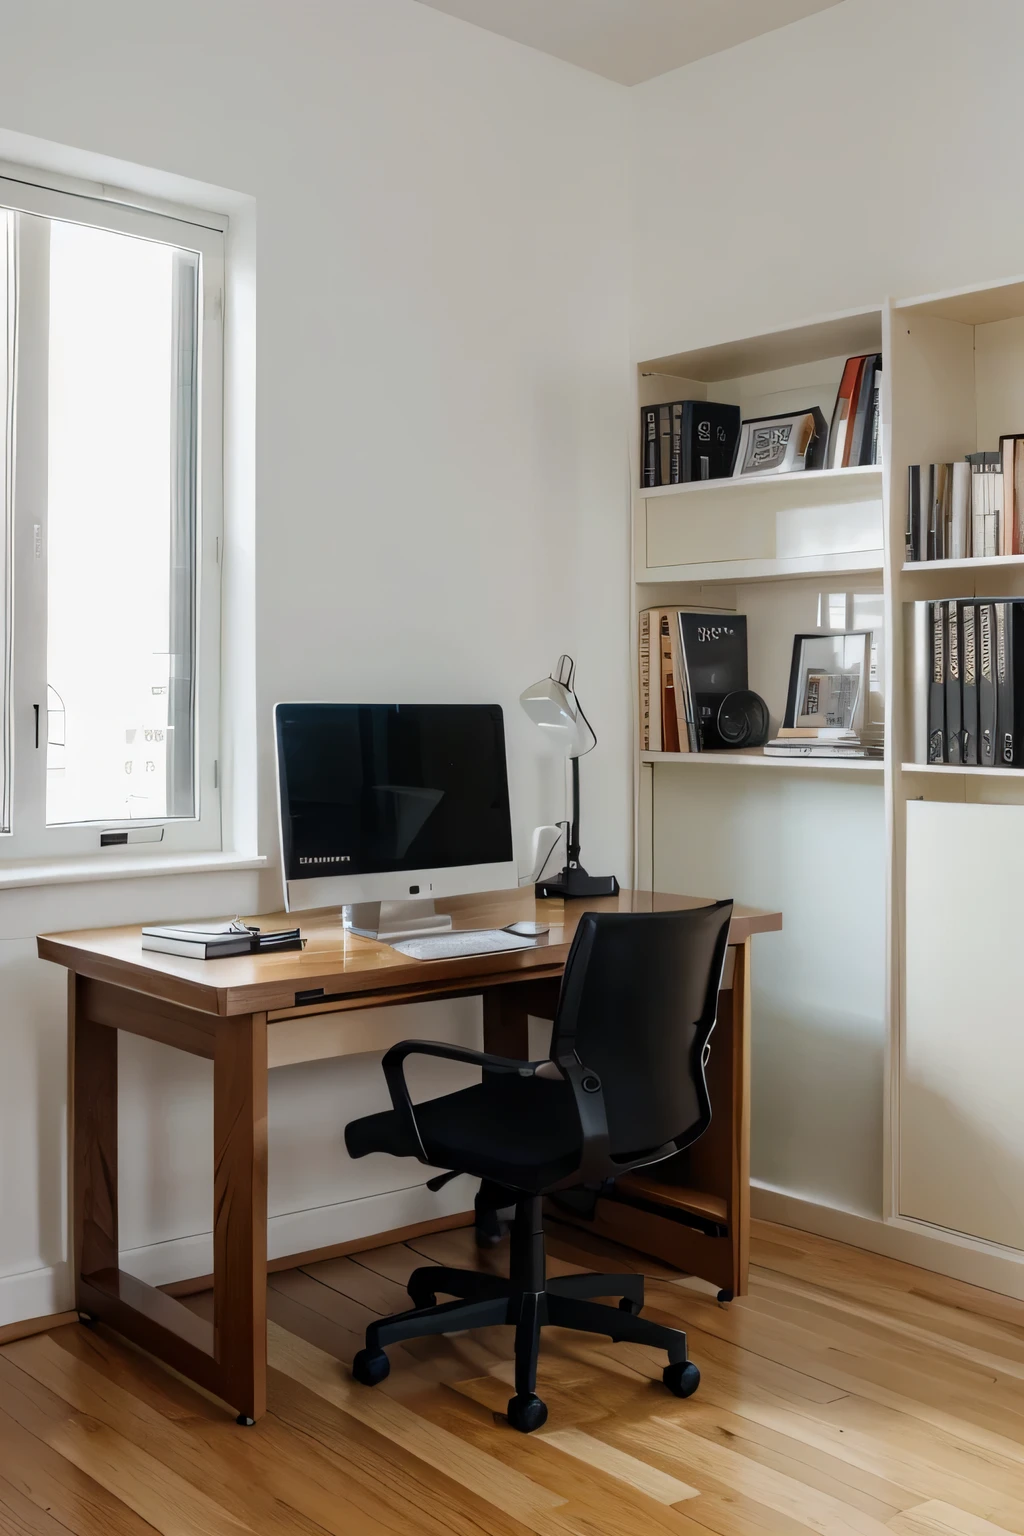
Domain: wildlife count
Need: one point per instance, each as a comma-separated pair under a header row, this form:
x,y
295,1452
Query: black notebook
x,y
714,647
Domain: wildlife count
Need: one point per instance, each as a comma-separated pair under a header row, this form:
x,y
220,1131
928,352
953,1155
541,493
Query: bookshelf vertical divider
x,y
827,844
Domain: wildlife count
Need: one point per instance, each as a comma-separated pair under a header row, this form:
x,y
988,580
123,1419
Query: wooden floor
x,y
847,1393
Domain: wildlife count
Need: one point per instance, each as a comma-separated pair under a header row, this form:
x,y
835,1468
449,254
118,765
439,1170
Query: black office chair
x,y
624,1087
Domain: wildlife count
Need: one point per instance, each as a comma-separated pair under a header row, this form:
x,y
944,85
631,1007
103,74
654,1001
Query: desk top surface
x,y
343,964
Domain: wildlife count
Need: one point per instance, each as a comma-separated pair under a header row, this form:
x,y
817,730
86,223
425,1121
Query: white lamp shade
x,y
552,705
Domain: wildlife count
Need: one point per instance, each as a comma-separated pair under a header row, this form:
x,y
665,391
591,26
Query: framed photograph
x,y
778,445
828,681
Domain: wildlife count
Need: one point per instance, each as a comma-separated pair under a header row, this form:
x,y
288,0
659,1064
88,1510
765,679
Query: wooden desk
x,y
250,1013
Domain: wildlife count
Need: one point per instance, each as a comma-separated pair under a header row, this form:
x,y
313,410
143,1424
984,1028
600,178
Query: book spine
x,y
650,450
986,686
969,674
644,651
953,700
917,659
1005,744
937,688
1012,725
911,552
665,443
675,468
669,722
680,684
654,701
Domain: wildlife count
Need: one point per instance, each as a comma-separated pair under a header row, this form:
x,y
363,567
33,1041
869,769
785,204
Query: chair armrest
x,y
394,1074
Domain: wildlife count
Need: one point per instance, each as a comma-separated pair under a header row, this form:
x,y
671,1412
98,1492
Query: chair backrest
x,y
638,1003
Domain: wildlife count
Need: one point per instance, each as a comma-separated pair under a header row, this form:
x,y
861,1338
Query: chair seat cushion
x,y
521,1132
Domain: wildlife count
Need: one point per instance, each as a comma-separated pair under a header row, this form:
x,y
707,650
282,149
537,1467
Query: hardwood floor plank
x,y
621,1465
184,1455
159,1496
508,1491
375,1291
821,1512
20,1517
935,1519
54,1483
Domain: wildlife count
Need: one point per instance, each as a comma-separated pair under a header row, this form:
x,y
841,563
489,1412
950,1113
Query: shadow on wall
x,y
817,1103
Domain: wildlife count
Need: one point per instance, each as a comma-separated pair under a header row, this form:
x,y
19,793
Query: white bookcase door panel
x,y
962,1060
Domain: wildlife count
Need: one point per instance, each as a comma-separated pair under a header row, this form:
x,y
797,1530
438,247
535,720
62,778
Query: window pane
x,y
120,528
6,502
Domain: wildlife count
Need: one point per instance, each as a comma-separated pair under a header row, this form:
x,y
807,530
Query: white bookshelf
x,y
826,840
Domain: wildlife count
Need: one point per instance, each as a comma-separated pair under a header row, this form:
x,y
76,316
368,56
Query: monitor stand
x,y
390,920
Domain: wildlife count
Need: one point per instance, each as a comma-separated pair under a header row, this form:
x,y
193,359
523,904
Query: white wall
x,y
866,151
440,466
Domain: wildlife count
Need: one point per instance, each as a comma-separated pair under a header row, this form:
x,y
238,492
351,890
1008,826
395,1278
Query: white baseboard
x,y
183,1258
946,1253
37,1293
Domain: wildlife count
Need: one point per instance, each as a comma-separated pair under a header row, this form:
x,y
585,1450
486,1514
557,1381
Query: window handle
x,y
36,708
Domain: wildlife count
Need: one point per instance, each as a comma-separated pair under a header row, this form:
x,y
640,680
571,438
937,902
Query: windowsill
x,y
134,866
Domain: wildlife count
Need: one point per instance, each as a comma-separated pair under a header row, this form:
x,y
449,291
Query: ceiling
x,y
630,40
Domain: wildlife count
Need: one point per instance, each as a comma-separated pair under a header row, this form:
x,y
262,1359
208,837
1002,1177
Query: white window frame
x,y
29,838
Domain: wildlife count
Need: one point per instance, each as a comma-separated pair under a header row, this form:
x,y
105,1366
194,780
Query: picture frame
x,y
829,680
780,445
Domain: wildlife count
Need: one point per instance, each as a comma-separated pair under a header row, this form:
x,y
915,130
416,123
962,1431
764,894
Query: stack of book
x,y
688,440
690,659
855,433
820,741
973,509
966,681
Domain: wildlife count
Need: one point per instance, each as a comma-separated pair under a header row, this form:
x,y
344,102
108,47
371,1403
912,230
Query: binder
x,y
954,720
650,447
937,687
714,649
1009,663
986,685
969,672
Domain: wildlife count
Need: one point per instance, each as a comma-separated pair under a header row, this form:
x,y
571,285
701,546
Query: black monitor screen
x,y
371,788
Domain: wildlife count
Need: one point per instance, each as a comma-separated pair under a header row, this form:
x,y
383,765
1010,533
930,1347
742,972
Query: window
x,y
110,500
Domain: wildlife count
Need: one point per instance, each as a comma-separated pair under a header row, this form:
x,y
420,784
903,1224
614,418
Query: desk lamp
x,y
553,706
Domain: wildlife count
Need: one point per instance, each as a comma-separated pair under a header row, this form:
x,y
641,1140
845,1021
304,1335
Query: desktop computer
x,y
384,807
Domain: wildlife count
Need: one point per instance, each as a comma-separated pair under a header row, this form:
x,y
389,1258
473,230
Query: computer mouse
x,y
526,930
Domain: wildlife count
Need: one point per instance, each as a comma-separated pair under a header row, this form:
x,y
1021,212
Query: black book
x,y
912,549
1009,617
710,438
650,449
953,698
925,528
969,676
664,443
714,647
937,687
986,624
676,453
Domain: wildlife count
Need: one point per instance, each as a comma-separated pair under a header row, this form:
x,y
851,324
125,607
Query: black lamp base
x,y
574,884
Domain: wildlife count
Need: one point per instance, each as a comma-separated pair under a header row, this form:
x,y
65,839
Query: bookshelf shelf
x,y
794,567
961,771
822,482
754,757
974,563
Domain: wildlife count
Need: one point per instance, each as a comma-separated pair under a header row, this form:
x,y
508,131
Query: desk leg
x,y
507,1022
93,1113
240,1210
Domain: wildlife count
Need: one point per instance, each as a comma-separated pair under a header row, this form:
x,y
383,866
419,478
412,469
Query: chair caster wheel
x,y
245,1421
527,1413
488,1237
420,1298
87,1320
725,1296
681,1377
627,1304
370,1369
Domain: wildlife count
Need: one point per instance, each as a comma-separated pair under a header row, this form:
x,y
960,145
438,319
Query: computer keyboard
x,y
452,946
